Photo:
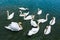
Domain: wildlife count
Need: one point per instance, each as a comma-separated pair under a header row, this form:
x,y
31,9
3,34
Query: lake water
x,y
48,6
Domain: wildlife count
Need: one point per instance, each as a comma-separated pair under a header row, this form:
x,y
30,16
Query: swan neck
x,y
7,13
46,17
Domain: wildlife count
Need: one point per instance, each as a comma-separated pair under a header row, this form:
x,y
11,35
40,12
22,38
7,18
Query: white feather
x,y
33,23
33,31
22,8
10,16
47,30
14,27
52,22
39,11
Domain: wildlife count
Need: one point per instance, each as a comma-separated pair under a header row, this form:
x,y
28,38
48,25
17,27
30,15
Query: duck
x,y
39,11
22,8
24,14
10,16
53,21
47,30
14,26
33,31
43,20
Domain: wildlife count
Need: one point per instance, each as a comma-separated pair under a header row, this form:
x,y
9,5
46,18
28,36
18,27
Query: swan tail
x,y
7,27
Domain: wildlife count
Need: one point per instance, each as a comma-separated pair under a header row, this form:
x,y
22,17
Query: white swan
x,y
33,23
24,14
42,20
39,11
29,17
22,8
10,16
33,31
52,22
47,30
14,26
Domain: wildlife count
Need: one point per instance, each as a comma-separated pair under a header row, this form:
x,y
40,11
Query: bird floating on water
x,y
43,20
33,23
47,30
10,16
33,31
39,11
29,17
23,14
14,26
52,22
22,8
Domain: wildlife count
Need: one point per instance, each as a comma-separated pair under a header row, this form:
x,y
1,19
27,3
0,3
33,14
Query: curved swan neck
x,y
46,16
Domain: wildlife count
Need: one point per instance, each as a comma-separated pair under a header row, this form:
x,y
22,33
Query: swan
x,y
29,17
10,16
22,8
24,14
52,22
33,31
33,23
14,26
47,30
42,20
39,11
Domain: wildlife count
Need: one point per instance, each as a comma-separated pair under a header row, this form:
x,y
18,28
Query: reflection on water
x,y
48,6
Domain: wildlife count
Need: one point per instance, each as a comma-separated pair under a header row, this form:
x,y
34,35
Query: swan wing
x,y
41,20
14,26
22,8
35,30
30,33
11,16
21,15
8,27
28,18
52,22
47,31
26,13
33,23
39,12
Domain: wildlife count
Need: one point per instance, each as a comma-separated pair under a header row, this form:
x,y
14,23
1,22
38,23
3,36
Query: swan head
x,y
47,14
20,23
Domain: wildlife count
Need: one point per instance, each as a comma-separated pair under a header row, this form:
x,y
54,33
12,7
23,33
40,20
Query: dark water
x,y
48,6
